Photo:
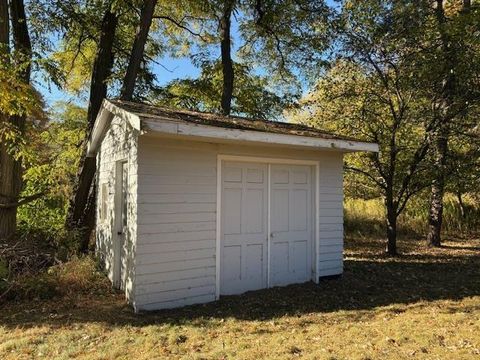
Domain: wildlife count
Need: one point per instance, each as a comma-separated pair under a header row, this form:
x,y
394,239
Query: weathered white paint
x,y
100,128
330,216
244,228
298,163
169,126
119,145
292,249
179,217
175,211
266,224
177,221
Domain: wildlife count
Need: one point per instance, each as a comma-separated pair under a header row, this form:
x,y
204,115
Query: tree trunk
x,y
84,196
21,38
391,248
441,133
136,55
10,168
4,28
227,64
437,192
7,217
10,186
79,213
463,209
102,67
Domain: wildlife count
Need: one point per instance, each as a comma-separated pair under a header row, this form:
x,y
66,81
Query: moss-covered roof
x,y
150,112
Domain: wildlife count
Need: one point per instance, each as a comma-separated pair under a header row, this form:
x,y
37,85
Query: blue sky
x,y
170,69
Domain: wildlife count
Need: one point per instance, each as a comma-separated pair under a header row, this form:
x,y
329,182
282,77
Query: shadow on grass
x,y
470,248
369,281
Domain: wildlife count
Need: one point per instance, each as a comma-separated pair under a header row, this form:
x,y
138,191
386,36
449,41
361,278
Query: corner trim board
x,y
218,248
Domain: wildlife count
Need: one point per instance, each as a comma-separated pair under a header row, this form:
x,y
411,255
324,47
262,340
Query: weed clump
x,y
78,277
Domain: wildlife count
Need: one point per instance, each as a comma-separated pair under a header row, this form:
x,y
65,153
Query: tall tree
x,y
4,27
82,209
371,92
138,48
81,212
7,216
11,163
252,97
226,52
449,103
281,38
440,136
376,106
287,37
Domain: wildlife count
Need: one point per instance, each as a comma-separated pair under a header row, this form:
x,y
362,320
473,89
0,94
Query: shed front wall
x,y
175,261
119,144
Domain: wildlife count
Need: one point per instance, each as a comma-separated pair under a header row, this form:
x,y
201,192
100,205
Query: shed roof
x,y
150,112
149,118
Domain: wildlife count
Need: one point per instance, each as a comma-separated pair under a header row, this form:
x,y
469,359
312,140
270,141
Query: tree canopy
x,y
404,74
387,85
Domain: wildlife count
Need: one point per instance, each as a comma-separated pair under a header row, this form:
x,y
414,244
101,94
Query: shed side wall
x,y
330,261
120,143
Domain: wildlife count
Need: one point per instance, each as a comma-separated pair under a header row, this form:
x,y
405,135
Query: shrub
x,y
3,275
41,286
51,173
78,276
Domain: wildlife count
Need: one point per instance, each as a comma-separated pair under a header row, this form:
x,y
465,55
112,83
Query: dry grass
x,y
422,305
367,217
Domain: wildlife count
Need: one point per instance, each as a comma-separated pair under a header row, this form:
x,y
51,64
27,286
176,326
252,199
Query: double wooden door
x,y
266,223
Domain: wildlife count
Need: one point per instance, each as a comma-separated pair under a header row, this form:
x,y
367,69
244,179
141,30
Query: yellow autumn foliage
x,y
77,65
16,97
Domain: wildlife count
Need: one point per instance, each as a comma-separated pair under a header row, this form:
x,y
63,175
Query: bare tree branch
x,y
178,24
367,174
22,201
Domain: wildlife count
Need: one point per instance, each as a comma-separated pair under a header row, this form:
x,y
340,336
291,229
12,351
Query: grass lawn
x,y
424,304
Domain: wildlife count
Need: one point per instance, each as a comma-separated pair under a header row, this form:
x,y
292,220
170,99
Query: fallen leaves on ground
x,y
425,304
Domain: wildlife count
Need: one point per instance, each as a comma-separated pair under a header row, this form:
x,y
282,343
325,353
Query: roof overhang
x,y
102,123
174,127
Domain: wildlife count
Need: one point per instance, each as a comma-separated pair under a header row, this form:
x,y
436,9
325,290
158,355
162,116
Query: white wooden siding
x,y
119,143
176,224
175,252
330,261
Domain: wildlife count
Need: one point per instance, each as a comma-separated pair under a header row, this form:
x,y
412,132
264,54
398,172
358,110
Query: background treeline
x,y
404,74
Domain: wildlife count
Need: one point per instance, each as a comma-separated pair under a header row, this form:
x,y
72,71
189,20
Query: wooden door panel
x,y
244,227
291,224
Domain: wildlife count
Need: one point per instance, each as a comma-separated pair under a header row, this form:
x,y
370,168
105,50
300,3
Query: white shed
x,y
192,206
